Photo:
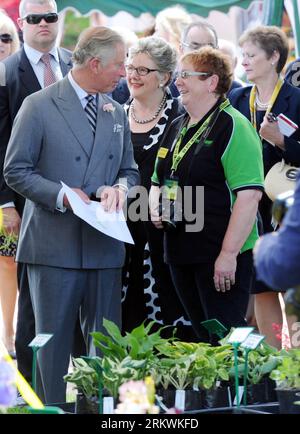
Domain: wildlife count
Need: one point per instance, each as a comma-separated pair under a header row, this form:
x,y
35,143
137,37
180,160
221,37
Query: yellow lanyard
x,y
271,102
178,156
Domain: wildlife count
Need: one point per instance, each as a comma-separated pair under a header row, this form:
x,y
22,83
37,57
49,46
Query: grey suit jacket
x,y
20,81
52,141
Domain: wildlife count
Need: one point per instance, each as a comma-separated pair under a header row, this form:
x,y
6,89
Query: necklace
x,y
146,121
261,104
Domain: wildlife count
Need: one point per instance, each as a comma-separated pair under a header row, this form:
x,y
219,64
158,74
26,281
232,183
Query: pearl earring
x,y
273,63
161,85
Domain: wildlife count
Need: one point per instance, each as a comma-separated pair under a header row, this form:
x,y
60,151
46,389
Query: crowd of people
x,y
159,124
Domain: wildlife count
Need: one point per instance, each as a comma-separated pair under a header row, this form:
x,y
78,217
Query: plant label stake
x,y
236,338
252,341
38,342
108,405
180,400
215,327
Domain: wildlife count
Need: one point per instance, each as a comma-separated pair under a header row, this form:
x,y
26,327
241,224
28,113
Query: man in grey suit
x,y
24,75
72,132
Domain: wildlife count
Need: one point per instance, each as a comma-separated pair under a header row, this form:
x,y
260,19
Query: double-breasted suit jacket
x,y
52,141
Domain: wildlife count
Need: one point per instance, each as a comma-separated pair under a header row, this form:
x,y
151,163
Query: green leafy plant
x,y
9,238
287,373
261,361
84,376
139,344
193,365
125,358
116,372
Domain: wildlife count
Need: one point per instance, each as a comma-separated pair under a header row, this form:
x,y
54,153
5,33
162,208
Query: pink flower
x,y
109,108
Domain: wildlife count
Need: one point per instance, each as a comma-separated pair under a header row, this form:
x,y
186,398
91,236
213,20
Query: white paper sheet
x,y
111,224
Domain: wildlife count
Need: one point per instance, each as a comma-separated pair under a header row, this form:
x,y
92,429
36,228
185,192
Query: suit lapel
x,y
103,136
27,75
282,102
64,61
66,101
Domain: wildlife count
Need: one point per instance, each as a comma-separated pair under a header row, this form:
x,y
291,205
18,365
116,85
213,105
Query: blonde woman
x,y
9,40
169,24
9,44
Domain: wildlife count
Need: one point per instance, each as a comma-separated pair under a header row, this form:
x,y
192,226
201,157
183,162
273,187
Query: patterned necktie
x,y
91,111
49,76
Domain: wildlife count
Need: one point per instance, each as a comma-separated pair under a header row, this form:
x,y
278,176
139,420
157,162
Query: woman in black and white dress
x,y
151,110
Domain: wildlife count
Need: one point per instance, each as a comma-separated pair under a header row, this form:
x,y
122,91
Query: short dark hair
x,y
212,60
269,39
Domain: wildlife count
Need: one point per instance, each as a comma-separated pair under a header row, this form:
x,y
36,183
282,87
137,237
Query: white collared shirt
x,y
81,93
34,57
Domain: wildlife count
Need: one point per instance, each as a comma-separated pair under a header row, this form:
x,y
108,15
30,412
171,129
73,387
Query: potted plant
x,y
86,379
287,377
125,358
198,368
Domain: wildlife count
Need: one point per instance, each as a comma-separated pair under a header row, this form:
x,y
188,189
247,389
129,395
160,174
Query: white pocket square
x,y
118,128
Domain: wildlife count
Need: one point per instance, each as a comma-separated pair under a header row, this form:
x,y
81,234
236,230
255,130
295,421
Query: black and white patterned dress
x,y
147,285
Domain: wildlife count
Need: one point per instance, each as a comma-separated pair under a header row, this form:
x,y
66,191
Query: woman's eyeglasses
x,y
140,70
185,74
52,17
6,38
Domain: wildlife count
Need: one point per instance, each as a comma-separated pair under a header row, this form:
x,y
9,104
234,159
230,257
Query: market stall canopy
x,y
136,8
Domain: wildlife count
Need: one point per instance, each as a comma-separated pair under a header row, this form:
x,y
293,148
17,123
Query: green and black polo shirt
x,y
229,161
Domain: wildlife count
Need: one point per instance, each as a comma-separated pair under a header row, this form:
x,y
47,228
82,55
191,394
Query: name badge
x,y
162,152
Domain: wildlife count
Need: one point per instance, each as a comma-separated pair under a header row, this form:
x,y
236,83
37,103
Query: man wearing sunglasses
x,y
25,74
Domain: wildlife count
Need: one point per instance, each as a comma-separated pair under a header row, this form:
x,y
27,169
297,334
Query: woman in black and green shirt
x,y
214,147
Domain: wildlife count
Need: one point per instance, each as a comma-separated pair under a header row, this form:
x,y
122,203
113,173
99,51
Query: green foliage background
x,y
72,28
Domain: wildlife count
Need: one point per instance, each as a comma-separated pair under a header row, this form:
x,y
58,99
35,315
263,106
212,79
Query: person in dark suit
x,y
9,44
265,50
24,75
72,132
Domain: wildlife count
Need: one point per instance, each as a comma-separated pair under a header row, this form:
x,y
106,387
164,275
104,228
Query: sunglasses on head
x,y
6,38
52,17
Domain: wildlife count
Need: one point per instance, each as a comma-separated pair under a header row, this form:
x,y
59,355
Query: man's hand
x,y
11,220
80,193
112,198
